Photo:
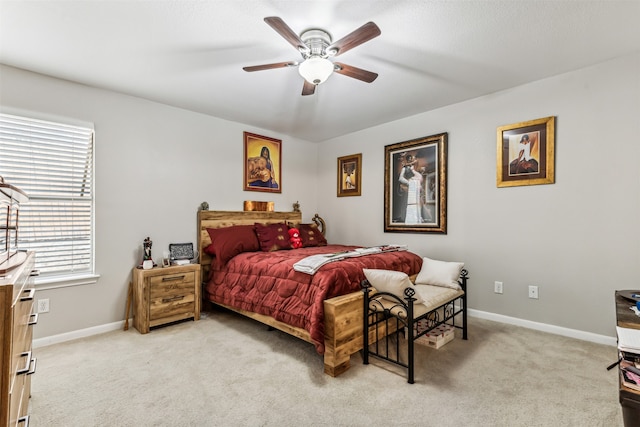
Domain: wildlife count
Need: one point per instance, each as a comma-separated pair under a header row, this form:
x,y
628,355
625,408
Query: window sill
x,y
55,282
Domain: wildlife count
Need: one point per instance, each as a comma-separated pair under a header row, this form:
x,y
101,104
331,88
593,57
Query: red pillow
x,y
311,235
273,237
228,242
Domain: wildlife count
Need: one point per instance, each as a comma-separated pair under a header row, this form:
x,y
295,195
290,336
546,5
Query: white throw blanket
x,y
312,263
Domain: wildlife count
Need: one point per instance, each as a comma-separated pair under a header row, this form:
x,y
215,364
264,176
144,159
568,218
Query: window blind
x,y
53,164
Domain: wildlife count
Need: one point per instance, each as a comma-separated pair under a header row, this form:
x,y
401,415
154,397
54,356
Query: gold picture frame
x,y
526,153
415,186
262,163
350,175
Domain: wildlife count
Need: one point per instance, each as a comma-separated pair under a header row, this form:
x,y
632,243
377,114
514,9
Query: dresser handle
x,y
30,294
34,317
34,273
176,298
33,363
27,355
171,279
24,420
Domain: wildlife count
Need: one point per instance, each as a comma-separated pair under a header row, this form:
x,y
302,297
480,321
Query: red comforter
x,y
266,283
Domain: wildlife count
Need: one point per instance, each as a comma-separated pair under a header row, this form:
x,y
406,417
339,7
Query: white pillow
x,y
394,282
439,273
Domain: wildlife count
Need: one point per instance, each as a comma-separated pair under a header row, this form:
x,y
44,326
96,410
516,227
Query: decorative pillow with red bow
x,y
294,238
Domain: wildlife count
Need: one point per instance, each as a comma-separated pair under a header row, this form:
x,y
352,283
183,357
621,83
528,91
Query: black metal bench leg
x,y
365,328
410,344
464,317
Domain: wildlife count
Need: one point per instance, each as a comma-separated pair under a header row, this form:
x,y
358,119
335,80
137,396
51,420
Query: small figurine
x,y
147,249
204,206
296,207
294,238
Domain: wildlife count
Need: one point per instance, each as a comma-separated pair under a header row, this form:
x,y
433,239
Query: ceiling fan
x,y
316,47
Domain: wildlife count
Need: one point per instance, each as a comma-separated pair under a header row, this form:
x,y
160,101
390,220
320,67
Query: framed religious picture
x,y
262,163
526,153
350,175
415,185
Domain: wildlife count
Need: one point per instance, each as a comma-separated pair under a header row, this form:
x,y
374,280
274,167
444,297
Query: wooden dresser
x,y
629,399
165,295
17,363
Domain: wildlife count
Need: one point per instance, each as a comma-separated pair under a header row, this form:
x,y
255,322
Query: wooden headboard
x,y
219,219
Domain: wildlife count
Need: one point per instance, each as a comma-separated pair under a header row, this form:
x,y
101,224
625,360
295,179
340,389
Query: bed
x,y
324,309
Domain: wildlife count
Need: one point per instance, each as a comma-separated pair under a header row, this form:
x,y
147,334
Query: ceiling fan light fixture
x,y
316,70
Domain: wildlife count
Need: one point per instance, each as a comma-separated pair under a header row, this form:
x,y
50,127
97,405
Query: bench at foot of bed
x,y
388,313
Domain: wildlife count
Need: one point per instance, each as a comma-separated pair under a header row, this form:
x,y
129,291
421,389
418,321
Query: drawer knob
x,y
175,298
30,293
32,369
172,278
34,319
27,356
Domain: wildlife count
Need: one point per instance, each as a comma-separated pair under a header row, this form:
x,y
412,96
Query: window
x,y
53,164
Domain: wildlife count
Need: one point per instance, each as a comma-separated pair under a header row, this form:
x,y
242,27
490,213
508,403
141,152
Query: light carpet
x,y
227,370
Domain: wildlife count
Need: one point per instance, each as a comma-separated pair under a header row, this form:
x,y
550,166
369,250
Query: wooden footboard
x,y
342,331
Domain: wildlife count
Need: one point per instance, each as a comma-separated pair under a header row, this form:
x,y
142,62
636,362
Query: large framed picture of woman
x,y
415,187
262,163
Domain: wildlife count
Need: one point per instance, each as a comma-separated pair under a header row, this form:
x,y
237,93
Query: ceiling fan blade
x,y
363,34
270,66
285,31
355,72
308,88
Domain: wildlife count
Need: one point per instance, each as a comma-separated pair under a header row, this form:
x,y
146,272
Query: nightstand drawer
x,y
174,284
171,305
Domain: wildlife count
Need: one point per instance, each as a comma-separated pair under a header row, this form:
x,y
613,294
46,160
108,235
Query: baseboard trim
x,y
545,327
80,333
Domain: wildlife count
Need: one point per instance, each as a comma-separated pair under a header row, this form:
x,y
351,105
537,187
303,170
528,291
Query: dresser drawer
x,y
18,400
22,319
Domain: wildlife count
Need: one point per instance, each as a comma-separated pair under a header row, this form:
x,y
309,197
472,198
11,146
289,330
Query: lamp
x,y
315,69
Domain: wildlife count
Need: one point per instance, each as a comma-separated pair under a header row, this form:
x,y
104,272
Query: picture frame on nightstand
x,y
181,251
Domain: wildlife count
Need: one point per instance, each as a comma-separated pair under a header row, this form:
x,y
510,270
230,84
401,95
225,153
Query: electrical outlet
x,y
497,287
43,305
533,292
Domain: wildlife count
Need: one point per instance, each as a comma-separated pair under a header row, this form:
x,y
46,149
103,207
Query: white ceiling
x,y
431,53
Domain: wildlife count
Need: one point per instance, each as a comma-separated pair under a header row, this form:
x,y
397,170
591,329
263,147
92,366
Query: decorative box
x,y
435,338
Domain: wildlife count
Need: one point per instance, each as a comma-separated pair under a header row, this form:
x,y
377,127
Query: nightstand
x,y
165,295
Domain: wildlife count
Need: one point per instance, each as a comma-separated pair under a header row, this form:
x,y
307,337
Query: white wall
x,y
577,239
154,166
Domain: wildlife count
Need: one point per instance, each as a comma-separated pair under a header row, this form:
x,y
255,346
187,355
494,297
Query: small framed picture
x,y
525,153
350,175
166,262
